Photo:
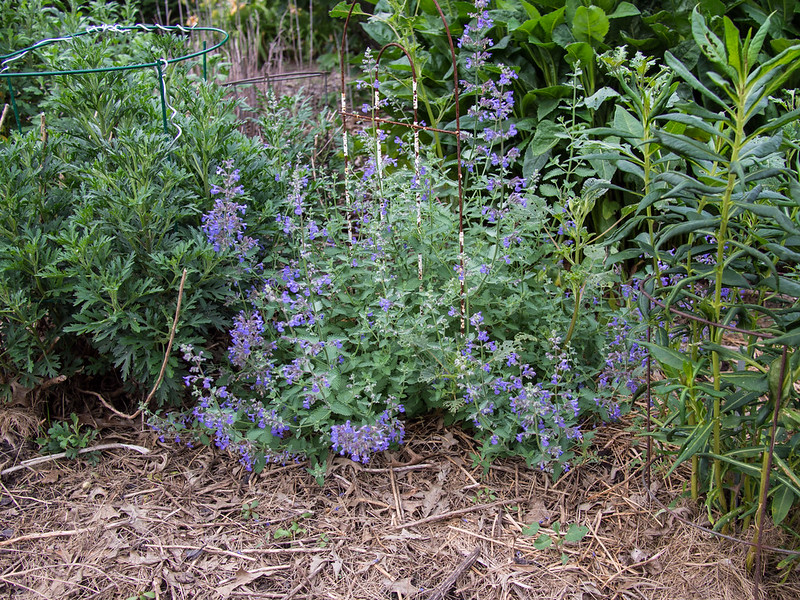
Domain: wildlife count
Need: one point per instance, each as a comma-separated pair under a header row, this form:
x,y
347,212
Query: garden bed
x,y
184,525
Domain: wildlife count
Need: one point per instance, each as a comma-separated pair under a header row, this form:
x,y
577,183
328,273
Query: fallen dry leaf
x,y
404,587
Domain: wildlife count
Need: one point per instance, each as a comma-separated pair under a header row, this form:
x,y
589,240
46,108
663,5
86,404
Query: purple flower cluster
x,y
294,222
221,413
223,225
359,442
493,105
474,36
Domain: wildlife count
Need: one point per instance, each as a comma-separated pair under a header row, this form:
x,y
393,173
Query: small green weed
x,y
484,495
249,510
294,530
573,533
68,438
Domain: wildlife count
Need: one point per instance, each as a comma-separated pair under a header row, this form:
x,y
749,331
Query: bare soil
x,y
421,523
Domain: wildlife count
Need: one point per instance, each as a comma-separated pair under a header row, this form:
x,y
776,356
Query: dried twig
x,y
397,502
209,549
163,364
305,581
108,406
26,464
480,536
460,511
51,534
169,346
440,590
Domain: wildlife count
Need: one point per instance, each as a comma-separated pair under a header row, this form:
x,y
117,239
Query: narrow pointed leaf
x,y
792,475
783,253
689,78
752,381
697,123
696,441
689,148
784,65
774,213
693,226
779,123
757,42
782,501
733,44
709,43
666,356
753,470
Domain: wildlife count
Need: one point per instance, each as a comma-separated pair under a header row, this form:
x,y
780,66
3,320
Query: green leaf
x,y
590,25
778,123
791,474
626,122
754,47
318,415
689,148
782,501
689,78
754,470
774,77
697,123
696,441
733,44
709,43
575,533
667,356
547,135
531,529
694,224
782,285
542,542
594,101
581,52
624,10
747,380
342,409
774,213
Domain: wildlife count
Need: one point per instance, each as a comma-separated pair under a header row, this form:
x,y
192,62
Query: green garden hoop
x,y
6,61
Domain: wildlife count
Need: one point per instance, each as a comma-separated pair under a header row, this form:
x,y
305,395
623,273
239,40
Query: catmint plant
x,y
355,322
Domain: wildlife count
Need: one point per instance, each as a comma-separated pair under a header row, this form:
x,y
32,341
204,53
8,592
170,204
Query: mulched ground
x,y
421,523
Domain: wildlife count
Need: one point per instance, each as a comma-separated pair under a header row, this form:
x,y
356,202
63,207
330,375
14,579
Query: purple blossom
x,y
360,442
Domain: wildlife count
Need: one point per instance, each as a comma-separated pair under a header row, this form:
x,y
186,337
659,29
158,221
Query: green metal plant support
x,y
6,61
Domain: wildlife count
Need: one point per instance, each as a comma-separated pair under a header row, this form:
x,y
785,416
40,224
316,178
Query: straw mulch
x,y
421,523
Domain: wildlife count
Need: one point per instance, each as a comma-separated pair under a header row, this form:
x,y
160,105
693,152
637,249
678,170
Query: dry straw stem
x,y
3,117
444,587
169,345
53,534
167,352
